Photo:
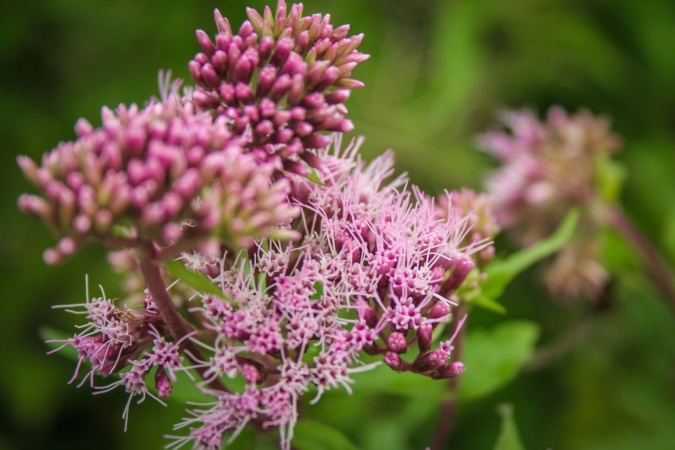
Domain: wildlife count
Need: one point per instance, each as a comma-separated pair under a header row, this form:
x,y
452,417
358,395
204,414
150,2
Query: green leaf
x,y
494,357
318,291
52,334
197,281
501,272
311,435
508,438
383,379
610,178
488,303
313,176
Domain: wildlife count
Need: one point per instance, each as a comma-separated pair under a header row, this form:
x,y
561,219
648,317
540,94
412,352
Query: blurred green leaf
x,y
384,380
501,272
485,302
611,176
312,435
494,357
197,281
508,438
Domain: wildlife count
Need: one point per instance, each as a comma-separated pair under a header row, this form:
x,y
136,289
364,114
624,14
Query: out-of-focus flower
x,y
165,174
282,78
549,168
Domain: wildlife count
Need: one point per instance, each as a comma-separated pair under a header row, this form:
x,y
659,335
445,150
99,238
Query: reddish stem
x,y
656,266
177,325
449,406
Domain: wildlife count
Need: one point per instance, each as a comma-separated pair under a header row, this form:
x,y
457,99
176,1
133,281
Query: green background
x,y
439,70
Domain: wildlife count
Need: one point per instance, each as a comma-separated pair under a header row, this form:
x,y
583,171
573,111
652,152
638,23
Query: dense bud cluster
x,y
283,77
171,174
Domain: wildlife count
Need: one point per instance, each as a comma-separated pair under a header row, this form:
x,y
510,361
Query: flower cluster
x,y
549,168
372,272
308,273
117,338
283,77
170,173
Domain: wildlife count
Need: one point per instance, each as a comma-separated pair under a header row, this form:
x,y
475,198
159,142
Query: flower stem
x,y
656,266
177,325
449,406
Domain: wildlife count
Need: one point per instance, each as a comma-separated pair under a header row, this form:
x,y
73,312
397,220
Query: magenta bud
x,y
103,220
195,72
204,100
281,52
188,184
282,84
29,169
264,128
266,78
424,338
430,361
314,100
339,96
393,360
397,343
246,29
227,93
345,70
222,23
339,33
205,43
439,310
52,256
82,224
67,246
201,59
301,42
255,18
303,129
295,64
210,76
250,373
244,92
251,111
36,206
162,382
219,62
298,113
223,41
284,135
83,127
297,89
448,371
243,70
316,141
172,232
349,83
265,48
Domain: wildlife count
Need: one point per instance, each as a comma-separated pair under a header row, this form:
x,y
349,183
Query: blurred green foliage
x,y
439,70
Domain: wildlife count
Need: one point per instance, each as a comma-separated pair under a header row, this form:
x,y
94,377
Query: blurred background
x,y
438,72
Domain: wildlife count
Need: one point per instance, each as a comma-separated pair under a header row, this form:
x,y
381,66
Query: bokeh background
x,y
439,70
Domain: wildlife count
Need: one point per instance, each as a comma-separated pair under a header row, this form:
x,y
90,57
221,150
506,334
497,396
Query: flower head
x,y
549,168
282,78
164,173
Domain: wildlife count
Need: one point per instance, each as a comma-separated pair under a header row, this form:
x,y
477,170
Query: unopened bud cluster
x,y
169,173
282,76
